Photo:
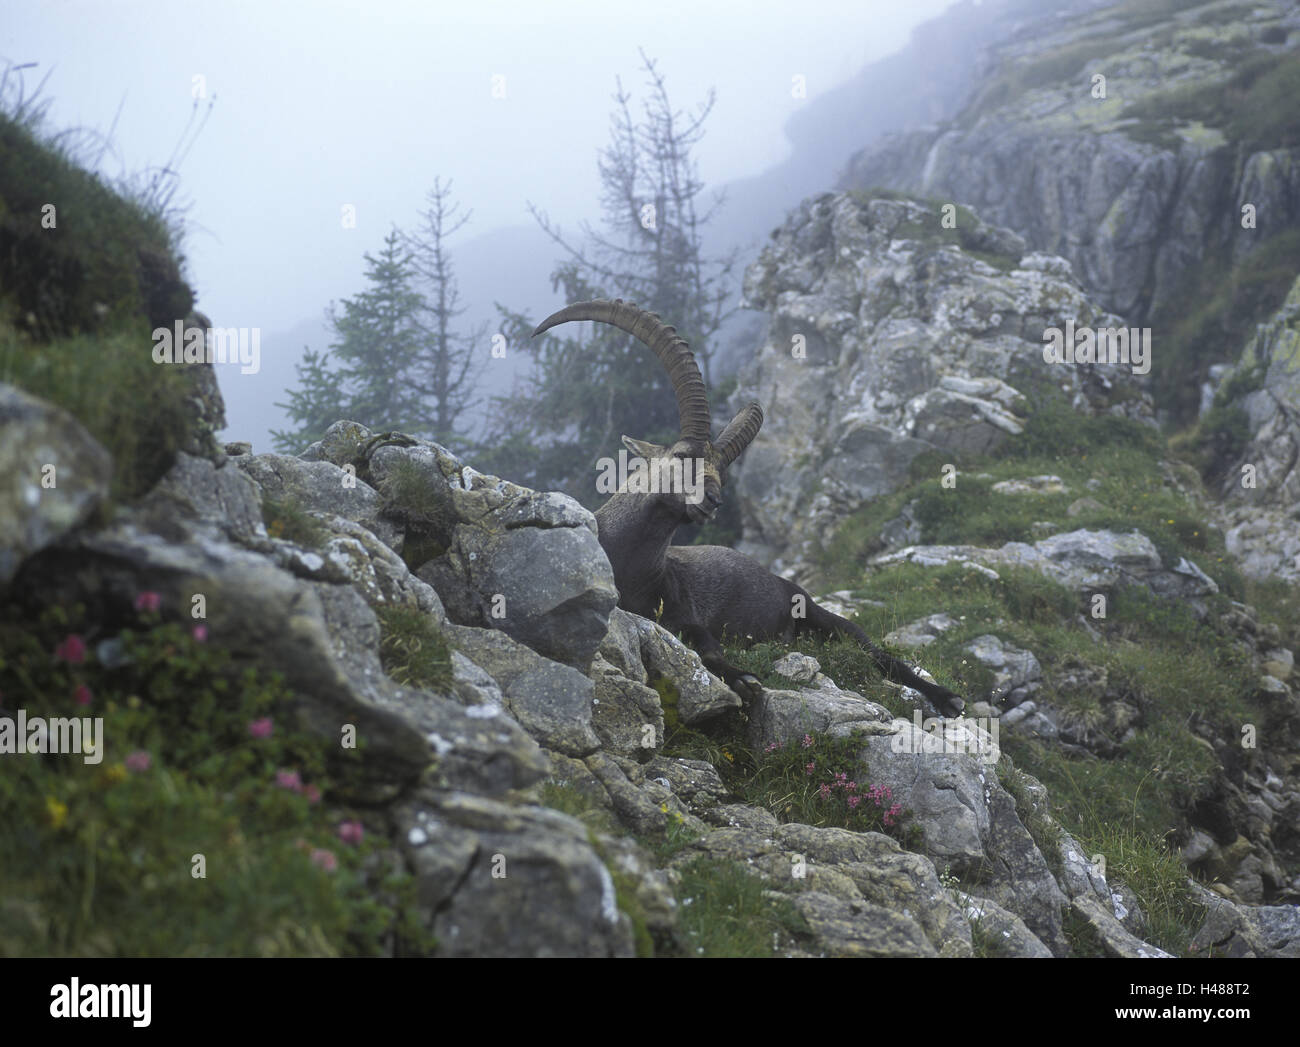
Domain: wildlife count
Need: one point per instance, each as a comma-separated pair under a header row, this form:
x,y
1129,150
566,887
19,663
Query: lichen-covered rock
x,y
700,695
553,702
525,562
54,476
627,716
886,340
200,490
1002,933
1261,488
1114,938
1108,208
319,487
498,879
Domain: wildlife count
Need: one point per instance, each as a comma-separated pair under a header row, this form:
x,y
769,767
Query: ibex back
x,y
706,592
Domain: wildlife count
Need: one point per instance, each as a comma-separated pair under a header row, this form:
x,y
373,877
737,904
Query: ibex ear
x,y
643,448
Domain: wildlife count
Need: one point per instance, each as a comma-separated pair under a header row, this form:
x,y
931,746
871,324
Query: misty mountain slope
x,y
1142,190
929,80
357,681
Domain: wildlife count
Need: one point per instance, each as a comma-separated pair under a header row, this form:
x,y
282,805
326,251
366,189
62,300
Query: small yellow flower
x,y
664,807
133,702
114,774
57,811
728,756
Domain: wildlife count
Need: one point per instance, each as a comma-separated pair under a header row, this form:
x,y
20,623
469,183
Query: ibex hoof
x,y
946,703
747,686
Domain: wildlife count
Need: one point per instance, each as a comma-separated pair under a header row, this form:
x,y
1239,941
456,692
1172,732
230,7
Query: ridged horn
x,y
740,431
662,340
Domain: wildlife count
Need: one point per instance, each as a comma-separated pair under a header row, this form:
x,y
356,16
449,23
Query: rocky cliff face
x,y
1135,178
1261,485
889,336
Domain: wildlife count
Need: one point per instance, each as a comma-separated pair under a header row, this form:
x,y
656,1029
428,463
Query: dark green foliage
x,y
378,345
107,261
79,299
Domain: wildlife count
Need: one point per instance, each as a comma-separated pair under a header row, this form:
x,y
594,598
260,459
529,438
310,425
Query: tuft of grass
x,y
726,910
1158,877
135,408
287,520
413,650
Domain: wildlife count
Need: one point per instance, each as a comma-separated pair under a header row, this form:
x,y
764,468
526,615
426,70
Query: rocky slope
x,y
889,335
550,682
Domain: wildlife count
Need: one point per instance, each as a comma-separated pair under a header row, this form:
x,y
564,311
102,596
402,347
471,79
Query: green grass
x,y
93,853
88,272
413,650
287,520
1254,107
1121,458
725,910
84,375
822,781
81,289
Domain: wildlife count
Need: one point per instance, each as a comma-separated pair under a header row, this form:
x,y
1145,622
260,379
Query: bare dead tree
x,y
652,250
448,367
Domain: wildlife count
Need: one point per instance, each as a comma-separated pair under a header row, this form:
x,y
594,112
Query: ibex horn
x,y
740,431
663,341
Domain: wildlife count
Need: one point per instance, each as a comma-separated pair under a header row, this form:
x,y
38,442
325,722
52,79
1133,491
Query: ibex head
x,y
704,460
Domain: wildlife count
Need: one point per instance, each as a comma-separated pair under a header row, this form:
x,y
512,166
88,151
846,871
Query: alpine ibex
x,y
706,592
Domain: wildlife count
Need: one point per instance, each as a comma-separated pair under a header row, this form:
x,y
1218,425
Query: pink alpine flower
x,y
289,780
81,694
312,793
200,633
807,741
325,859
260,728
138,761
72,650
825,792
148,601
812,766
351,832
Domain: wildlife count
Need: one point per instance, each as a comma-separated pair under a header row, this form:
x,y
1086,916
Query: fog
x,y
309,107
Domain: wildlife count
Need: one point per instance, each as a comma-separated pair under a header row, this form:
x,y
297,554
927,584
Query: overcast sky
x,y
324,103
